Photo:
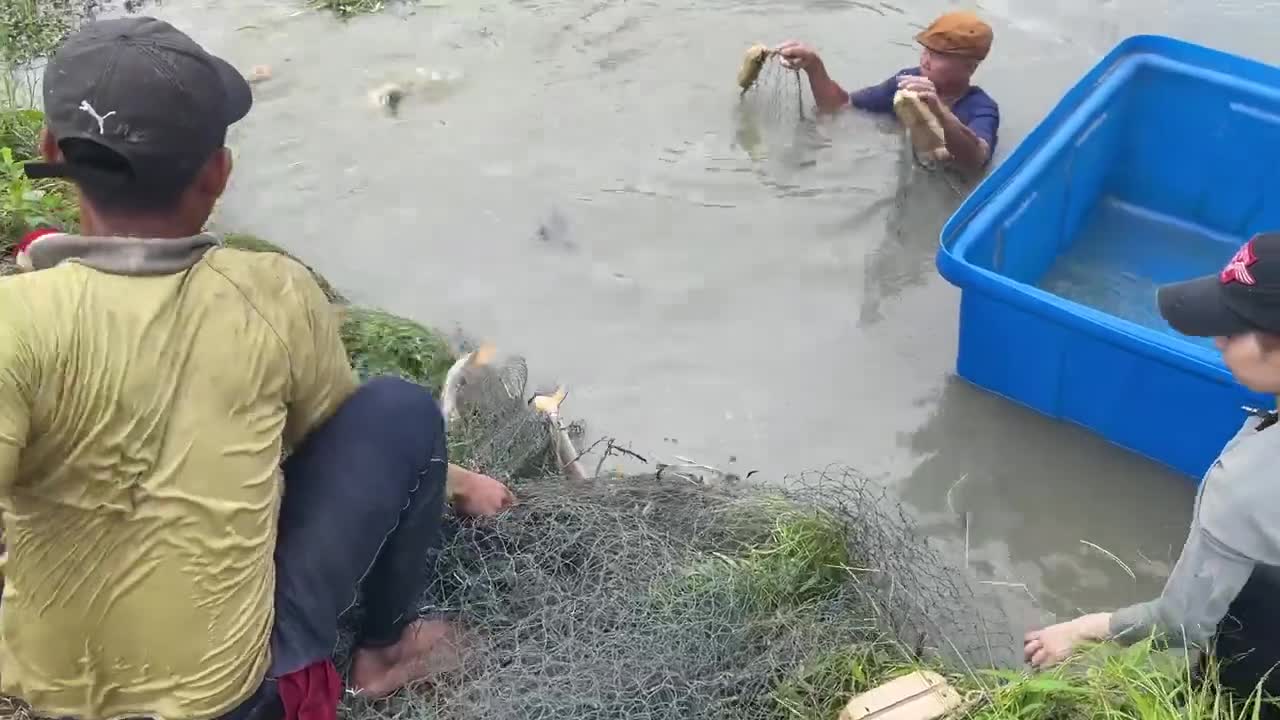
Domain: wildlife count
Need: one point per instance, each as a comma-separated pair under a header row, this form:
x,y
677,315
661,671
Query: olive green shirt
x,y
147,391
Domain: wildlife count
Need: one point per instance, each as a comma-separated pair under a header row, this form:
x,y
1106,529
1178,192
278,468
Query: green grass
x,y
381,343
20,130
1135,683
797,558
821,690
800,559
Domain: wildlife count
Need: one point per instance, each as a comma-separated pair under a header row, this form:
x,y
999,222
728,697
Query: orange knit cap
x,y
958,33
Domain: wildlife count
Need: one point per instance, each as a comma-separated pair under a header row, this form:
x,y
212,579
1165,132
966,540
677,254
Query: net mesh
x,y
777,95
663,596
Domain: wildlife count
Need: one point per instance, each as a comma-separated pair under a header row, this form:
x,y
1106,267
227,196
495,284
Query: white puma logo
x,y
85,106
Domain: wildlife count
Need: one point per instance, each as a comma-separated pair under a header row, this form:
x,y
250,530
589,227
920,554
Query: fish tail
x,y
484,354
550,404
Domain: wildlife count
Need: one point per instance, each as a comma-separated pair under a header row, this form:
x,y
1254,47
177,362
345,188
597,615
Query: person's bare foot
x,y
426,648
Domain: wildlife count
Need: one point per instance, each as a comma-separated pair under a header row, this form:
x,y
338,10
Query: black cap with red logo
x,y
1244,297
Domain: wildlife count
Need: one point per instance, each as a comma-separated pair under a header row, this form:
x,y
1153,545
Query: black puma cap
x,y
148,94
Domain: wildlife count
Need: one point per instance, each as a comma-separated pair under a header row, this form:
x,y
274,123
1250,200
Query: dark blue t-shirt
x,y
976,109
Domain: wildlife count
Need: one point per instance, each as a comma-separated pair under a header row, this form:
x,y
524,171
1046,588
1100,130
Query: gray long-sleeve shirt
x,y
1235,526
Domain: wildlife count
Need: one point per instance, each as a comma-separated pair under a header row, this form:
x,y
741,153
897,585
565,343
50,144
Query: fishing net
x,y
771,94
666,595
773,118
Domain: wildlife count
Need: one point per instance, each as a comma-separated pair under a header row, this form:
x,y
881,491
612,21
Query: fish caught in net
x,y
752,64
658,596
767,85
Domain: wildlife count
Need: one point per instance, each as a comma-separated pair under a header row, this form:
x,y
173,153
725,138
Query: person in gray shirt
x,y
1223,584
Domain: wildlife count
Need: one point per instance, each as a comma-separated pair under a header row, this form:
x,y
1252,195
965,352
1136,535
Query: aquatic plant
x,y
349,8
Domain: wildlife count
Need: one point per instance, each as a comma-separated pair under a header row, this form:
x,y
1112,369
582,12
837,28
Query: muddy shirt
x,y
146,390
977,110
1235,526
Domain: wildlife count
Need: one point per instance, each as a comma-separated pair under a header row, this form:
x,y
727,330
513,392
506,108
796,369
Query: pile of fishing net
x,y
648,598
670,595
681,593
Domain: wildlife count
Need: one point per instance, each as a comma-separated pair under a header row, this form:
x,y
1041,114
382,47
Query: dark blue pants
x,y
1247,644
363,502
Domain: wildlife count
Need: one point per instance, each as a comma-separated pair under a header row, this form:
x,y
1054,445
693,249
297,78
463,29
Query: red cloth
x,y
311,693
32,237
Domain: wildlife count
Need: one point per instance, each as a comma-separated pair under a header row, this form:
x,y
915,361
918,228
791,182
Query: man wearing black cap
x,y
159,563
1224,585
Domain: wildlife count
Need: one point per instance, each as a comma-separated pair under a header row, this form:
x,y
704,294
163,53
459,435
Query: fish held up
x,y
752,63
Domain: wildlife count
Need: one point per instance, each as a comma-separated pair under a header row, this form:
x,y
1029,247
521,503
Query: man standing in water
x,y
1224,586
953,47
159,563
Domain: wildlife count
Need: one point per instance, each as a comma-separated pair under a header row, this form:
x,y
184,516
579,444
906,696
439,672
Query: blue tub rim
x,y
966,276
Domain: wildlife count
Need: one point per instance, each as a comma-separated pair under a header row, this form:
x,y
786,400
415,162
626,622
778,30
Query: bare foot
x,y
426,648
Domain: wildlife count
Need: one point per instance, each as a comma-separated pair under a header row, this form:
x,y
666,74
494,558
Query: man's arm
x,y
876,98
968,149
17,384
1206,578
321,373
828,94
17,389
474,494
323,379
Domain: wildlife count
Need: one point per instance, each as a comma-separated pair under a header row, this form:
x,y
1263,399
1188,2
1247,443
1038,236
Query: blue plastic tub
x,y
1154,168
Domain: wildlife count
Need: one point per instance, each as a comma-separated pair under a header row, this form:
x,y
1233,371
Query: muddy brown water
x,y
579,185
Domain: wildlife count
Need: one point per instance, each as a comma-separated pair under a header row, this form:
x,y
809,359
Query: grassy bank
x,y
803,559
752,568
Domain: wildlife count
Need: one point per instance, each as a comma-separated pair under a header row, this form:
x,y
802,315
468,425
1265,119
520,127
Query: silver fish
x,y
454,379
567,455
